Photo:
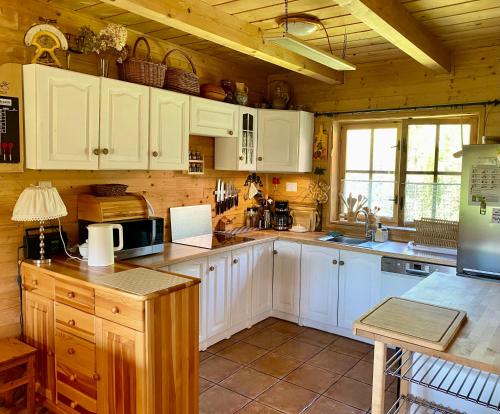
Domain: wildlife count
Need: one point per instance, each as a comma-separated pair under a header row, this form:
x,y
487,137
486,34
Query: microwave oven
x,y
140,236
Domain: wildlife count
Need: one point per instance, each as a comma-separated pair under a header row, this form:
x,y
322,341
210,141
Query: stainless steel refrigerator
x,y
479,230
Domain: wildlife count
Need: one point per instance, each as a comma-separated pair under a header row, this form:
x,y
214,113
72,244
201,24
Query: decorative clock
x,y
47,39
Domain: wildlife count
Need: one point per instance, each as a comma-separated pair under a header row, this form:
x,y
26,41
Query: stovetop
x,y
213,241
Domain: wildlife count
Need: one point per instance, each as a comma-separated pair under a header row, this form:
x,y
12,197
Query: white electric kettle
x,y
101,247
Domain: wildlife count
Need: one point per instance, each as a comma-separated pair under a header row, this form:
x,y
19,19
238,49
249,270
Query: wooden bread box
x,y
104,209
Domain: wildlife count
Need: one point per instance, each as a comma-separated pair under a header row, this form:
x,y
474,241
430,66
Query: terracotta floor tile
x,y
368,357
267,339
245,333
216,369
315,337
351,392
333,361
219,346
242,353
325,405
350,347
275,364
266,323
288,398
298,350
249,382
312,378
205,355
257,408
362,371
204,385
218,400
287,328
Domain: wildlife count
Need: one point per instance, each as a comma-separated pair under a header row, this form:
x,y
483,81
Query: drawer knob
x,y
115,309
50,352
211,268
241,158
71,295
235,261
96,376
72,377
71,351
155,153
71,322
341,263
34,282
334,262
73,404
96,151
230,132
259,159
105,151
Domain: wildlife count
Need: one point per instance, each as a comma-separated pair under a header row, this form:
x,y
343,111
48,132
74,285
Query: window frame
x,y
401,156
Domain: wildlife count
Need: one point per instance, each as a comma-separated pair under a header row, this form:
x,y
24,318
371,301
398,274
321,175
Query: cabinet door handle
x,y
241,158
71,295
155,153
71,322
341,263
72,377
73,404
96,151
105,151
96,376
235,261
211,268
275,251
230,132
259,159
50,352
34,282
334,262
115,310
71,351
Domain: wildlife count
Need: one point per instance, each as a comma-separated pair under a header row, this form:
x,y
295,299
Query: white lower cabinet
x,y
241,289
286,281
359,285
319,287
262,281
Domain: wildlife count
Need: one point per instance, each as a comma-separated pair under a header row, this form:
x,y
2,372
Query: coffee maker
x,y
282,218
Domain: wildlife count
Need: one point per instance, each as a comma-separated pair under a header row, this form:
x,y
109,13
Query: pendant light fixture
x,y
295,27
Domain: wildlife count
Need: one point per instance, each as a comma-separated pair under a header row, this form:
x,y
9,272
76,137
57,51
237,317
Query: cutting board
x,y
419,323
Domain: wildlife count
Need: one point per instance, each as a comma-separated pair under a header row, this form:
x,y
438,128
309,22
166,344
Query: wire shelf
x,y
408,404
470,384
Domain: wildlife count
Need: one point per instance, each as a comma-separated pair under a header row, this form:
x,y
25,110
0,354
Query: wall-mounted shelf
x,y
196,163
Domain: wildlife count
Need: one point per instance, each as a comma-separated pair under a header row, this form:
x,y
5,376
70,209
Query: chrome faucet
x,y
368,233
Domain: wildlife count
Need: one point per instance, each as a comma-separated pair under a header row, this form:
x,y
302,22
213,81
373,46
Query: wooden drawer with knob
x,y
38,282
120,309
75,322
77,296
71,400
84,383
75,352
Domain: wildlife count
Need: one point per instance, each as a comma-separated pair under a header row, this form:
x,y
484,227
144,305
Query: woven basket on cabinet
x,y
436,232
180,80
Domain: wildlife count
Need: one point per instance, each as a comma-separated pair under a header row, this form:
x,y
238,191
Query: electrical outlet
x,y
44,183
291,187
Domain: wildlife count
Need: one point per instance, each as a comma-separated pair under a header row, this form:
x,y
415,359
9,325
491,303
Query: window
x,y
410,169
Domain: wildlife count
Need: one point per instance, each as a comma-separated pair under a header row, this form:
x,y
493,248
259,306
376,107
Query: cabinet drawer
x,y
73,401
120,309
73,351
81,382
38,282
75,322
76,296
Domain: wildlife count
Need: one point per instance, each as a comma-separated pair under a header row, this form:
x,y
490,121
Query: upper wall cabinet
x,y
239,153
169,130
124,136
285,141
61,119
214,119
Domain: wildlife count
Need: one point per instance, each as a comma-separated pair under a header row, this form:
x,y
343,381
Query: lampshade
x,y
39,204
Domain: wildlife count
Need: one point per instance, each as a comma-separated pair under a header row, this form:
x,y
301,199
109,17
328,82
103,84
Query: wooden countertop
x,y
477,344
73,270
175,253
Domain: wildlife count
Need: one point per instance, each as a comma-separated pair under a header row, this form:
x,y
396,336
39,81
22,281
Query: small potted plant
x,y
109,43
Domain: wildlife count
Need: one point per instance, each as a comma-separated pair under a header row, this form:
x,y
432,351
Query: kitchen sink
x,y
353,241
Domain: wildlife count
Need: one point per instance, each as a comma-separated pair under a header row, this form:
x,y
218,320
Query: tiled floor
x,y
279,367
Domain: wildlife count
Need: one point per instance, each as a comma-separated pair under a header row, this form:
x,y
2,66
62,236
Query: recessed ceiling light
x,y
300,25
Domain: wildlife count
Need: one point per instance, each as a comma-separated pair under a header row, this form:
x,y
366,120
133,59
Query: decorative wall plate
x,y
47,39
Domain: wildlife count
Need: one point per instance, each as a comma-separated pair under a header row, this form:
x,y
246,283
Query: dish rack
x,y
470,384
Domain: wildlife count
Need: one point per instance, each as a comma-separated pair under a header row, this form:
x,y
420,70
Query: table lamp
x,y
39,204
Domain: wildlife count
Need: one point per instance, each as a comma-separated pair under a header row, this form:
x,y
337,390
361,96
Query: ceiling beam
x,y
391,20
200,19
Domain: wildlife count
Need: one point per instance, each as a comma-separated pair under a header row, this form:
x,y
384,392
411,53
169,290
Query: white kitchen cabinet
x,y
285,141
286,281
262,282
124,130
241,289
169,130
61,110
213,119
239,154
196,268
319,287
218,296
359,285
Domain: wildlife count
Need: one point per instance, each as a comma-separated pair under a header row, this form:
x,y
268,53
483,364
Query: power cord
x,y
64,245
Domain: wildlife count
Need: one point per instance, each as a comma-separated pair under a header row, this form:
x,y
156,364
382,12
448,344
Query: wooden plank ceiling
x,y
458,24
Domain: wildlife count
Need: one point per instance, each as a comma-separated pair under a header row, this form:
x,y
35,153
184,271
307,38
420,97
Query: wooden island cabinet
x,y
105,350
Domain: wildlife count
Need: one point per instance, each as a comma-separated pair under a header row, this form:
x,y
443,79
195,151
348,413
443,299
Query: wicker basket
x,y
143,71
435,232
180,80
108,190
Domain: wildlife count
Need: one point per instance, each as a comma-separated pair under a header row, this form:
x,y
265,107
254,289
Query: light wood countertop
x,y
175,253
477,344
